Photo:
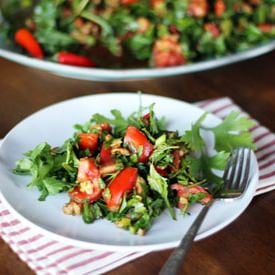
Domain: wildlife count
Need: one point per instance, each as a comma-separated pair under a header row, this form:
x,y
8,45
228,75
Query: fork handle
x,y
173,264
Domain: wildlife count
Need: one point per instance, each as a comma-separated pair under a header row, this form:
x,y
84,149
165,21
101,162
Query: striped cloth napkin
x,y
46,256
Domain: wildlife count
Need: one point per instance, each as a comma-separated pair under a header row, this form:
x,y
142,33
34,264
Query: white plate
x,y
54,125
97,74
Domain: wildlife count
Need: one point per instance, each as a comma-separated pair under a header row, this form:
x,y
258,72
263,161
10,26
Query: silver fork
x,y
236,180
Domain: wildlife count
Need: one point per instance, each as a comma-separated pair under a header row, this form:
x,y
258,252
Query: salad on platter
x,y
136,33
129,170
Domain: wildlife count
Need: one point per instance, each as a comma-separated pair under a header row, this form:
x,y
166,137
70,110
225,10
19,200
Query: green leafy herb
x,y
159,184
46,165
193,137
90,212
233,132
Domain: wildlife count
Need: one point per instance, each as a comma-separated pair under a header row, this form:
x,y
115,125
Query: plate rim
x,y
110,247
101,74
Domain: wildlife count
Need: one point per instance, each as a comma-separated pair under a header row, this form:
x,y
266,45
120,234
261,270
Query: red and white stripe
x,y
45,256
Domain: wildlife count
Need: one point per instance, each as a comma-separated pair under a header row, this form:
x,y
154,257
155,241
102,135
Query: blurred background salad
x,y
135,33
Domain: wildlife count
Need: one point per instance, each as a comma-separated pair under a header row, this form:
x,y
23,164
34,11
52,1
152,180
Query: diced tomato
x,y
213,29
106,155
155,3
167,52
219,7
122,183
266,27
162,172
88,141
102,127
128,2
199,189
87,170
88,176
173,29
136,140
106,127
198,8
176,160
158,6
143,24
182,193
146,118
182,190
185,192
255,2
79,196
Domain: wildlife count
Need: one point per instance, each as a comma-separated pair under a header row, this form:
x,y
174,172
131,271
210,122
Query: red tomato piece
x,y
88,175
198,8
88,141
265,28
162,172
184,192
136,139
176,160
146,118
219,7
199,189
106,155
87,170
122,183
155,3
128,2
106,127
167,52
79,196
213,29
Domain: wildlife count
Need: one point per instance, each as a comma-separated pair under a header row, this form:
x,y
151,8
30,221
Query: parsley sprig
x,y
231,133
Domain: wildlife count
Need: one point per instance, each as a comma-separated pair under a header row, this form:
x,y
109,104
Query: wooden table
x,y
247,246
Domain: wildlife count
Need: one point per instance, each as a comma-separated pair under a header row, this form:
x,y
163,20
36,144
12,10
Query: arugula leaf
x,y
119,122
108,38
162,154
155,125
159,184
233,132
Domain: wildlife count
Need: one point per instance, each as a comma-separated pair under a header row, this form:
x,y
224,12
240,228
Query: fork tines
x,y
237,172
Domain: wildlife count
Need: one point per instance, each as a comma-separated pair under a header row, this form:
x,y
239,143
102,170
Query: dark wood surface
x,y
247,246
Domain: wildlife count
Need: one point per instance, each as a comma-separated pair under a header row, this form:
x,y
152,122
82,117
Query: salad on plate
x,y
130,169
136,33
